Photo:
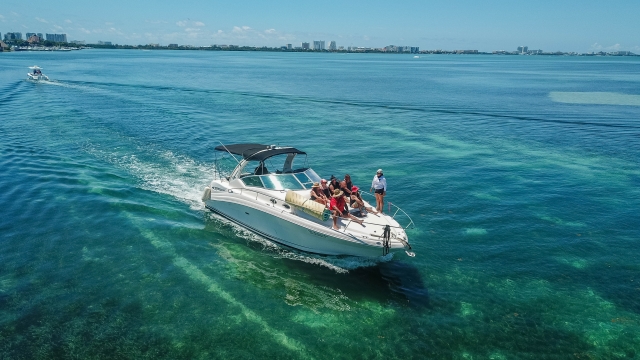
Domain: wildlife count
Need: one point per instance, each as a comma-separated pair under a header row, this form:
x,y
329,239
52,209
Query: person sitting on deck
x,y
333,184
345,189
325,189
358,203
347,179
317,195
339,208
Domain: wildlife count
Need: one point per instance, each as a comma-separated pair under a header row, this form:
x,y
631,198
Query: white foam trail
x,y
177,175
595,98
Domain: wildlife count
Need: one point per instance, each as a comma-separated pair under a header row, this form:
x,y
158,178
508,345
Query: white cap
x,y
379,171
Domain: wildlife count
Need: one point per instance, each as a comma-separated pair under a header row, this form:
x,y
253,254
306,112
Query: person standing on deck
x,y
379,184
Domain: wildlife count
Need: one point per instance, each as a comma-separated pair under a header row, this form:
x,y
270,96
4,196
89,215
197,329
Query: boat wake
x,y
177,175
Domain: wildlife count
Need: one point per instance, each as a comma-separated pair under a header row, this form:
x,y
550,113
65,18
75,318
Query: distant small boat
x,y
36,74
416,57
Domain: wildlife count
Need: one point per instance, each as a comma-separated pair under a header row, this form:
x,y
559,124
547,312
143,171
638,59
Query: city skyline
x,y
20,44
569,26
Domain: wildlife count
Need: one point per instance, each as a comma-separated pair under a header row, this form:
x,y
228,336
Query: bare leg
x,y
379,202
355,219
369,209
335,221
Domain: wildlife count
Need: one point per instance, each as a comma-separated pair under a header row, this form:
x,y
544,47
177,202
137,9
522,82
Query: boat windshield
x,y
296,181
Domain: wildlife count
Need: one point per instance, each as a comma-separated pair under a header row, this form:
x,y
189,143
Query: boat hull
x,y
37,77
294,231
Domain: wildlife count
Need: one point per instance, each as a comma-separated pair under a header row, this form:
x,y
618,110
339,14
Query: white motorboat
x,y
36,74
276,204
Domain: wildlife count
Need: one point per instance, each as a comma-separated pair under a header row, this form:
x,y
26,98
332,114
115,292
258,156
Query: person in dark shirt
x,y
357,202
347,179
333,184
346,190
325,188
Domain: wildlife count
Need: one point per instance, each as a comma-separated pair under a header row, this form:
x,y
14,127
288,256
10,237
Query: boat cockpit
x,y
256,169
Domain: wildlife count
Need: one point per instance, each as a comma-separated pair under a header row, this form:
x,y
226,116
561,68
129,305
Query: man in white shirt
x,y
379,186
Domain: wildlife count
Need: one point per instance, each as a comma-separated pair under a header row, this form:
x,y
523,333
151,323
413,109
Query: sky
x,y
558,25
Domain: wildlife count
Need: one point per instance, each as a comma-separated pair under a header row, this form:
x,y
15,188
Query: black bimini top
x,y
257,152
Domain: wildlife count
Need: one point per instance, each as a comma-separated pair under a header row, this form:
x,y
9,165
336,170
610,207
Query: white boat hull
x,y
297,232
37,77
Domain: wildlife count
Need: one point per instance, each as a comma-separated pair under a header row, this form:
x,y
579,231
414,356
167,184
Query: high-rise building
x,y
318,45
332,46
415,49
12,36
289,46
57,37
28,35
523,49
305,46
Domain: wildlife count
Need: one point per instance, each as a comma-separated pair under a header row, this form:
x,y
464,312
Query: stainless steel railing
x,y
398,212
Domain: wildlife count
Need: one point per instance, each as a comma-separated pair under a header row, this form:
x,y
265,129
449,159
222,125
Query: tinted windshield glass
x,y
281,182
312,175
252,181
304,179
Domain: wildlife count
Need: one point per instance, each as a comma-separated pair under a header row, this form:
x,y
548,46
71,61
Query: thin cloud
x,y
68,21
199,23
181,23
241,30
599,47
270,31
115,31
42,20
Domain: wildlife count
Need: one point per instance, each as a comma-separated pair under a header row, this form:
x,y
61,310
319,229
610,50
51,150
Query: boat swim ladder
x,y
386,239
386,242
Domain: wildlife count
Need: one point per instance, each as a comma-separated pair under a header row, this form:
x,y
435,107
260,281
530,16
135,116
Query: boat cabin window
x,y
307,178
281,182
252,181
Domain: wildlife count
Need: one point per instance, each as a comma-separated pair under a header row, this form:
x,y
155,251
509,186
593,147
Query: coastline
x,y
281,50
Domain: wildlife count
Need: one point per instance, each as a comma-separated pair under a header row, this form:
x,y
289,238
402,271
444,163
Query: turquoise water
x,y
521,174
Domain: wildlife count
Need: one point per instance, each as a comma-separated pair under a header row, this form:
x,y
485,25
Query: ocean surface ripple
x,y
521,174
